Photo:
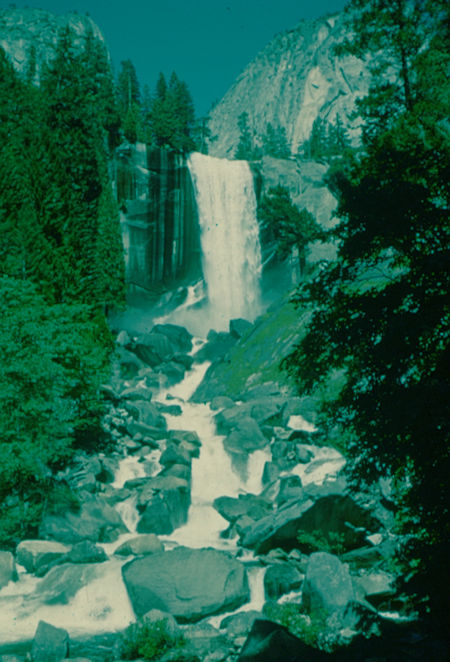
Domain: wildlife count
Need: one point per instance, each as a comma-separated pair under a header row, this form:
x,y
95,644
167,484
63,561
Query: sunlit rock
x,y
188,583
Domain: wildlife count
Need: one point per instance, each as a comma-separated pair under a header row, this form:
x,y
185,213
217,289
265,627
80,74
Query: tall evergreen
x,y
380,314
172,115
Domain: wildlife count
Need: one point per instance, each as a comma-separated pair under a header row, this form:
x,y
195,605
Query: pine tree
x,y
172,115
274,142
246,149
285,224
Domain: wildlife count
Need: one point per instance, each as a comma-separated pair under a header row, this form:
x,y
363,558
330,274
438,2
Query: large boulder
x,y
140,546
246,437
7,568
50,644
327,586
149,414
34,554
188,583
153,348
167,500
179,336
333,517
64,581
96,521
247,505
240,327
217,346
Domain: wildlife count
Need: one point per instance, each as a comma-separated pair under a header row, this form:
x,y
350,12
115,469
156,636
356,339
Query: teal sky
x,y
207,42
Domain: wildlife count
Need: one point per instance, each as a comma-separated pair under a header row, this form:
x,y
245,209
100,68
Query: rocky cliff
x,y
22,30
159,216
293,80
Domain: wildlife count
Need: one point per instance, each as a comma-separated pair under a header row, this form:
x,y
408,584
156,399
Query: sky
x,y
207,42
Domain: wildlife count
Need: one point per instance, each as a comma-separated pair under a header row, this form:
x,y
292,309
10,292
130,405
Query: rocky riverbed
x,y
201,515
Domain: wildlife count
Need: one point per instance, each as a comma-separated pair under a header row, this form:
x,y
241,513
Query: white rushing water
x,y
229,236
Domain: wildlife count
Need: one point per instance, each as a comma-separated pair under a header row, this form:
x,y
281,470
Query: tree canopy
x,y
380,313
283,223
61,269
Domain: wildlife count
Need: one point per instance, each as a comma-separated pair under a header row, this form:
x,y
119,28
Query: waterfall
x,y
231,252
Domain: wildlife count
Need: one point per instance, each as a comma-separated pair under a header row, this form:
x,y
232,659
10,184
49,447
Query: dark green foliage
x,y
149,641
128,98
285,224
171,115
52,361
391,33
274,142
307,628
61,269
381,313
246,149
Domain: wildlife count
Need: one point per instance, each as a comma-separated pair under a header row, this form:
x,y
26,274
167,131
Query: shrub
x,y
323,541
149,640
307,628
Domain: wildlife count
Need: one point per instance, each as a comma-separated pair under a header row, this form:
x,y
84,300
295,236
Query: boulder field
x,y
321,548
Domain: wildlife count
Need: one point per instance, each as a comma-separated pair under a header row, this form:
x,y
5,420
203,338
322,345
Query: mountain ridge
x,y
292,81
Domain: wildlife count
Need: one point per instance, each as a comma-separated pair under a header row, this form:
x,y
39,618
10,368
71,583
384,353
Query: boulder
x,y
239,624
267,410
150,434
86,552
179,336
174,454
327,586
156,616
149,414
7,569
290,489
184,359
217,346
179,436
377,586
129,363
246,437
270,473
167,503
280,579
268,641
172,410
240,327
284,454
227,419
178,470
330,516
172,371
50,644
96,521
64,581
221,402
188,583
141,546
247,505
153,348
34,554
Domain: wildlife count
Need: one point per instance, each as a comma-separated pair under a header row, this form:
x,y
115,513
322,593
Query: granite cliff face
x,y
159,217
22,29
293,80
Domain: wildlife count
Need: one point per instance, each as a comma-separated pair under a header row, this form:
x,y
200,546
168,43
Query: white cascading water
x,y
229,235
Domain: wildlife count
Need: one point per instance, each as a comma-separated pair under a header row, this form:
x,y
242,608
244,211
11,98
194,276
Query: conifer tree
x,y
380,313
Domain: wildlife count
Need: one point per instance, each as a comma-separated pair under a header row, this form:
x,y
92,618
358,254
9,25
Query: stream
x,y
102,603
